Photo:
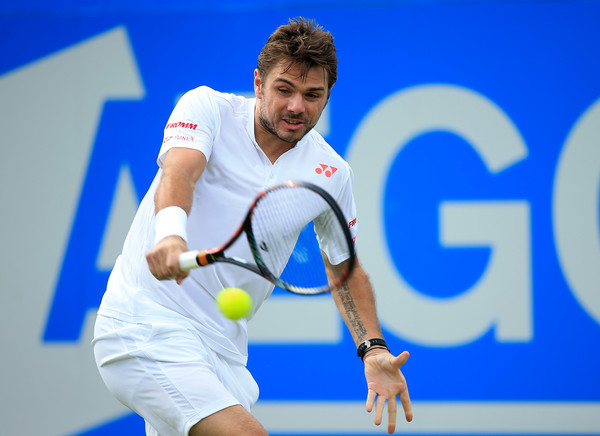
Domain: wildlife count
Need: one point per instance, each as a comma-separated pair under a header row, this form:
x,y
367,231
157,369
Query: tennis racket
x,y
293,230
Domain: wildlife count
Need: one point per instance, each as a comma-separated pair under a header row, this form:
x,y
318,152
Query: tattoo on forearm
x,y
351,312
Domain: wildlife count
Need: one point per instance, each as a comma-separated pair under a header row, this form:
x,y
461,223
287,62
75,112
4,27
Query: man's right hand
x,y
163,259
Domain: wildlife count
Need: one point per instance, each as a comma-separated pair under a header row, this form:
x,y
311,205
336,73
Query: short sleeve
x,y
335,248
193,124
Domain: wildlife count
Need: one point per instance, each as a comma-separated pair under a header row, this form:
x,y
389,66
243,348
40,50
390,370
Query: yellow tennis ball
x,y
234,303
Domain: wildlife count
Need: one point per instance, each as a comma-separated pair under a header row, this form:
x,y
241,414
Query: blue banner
x,y
473,131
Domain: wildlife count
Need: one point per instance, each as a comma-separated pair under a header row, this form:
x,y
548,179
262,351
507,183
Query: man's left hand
x,y
385,382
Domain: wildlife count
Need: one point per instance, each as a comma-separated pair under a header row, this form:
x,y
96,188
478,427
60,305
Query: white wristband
x,y
170,221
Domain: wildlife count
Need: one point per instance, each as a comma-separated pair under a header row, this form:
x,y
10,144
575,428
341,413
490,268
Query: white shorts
x,y
165,373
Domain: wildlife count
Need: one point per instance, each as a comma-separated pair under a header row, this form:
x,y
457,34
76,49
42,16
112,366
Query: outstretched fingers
x,y
379,406
378,401
404,395
371,395
406,405
401,359
392,412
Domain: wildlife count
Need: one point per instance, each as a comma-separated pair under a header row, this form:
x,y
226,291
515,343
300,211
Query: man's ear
x,y
257,84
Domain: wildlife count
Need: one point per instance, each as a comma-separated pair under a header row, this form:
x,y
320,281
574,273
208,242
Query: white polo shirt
x,y
221,126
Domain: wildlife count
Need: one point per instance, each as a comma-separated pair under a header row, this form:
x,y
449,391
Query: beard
x,y
292,138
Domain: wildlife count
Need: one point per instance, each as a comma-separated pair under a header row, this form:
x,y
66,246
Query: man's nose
x,y
296,104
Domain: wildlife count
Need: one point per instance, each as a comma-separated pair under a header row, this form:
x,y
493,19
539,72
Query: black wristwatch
x,y
364,347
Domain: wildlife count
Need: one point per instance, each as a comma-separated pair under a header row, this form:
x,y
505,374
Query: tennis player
x,y
161,346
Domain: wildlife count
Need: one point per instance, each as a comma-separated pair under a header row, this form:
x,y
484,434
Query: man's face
x,y
289,105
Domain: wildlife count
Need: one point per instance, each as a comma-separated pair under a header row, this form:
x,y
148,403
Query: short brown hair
x,y
301,42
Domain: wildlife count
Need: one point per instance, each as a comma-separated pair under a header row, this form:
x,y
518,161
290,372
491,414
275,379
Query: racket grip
x,y
188,260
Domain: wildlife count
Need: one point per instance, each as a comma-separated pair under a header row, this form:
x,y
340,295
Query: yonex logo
x,y
327,170
179,137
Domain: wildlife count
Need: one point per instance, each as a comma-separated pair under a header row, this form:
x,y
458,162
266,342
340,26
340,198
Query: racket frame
x,y
202,258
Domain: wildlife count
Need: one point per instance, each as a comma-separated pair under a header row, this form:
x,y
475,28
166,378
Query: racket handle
x,y
188,260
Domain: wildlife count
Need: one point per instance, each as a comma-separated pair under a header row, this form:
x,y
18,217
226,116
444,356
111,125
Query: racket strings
x,y
283,225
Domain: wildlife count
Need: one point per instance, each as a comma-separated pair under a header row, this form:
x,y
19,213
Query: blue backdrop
x,y
522,72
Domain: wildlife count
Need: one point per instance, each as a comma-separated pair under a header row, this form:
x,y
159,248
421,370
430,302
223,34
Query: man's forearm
x,y
174,190
356,302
